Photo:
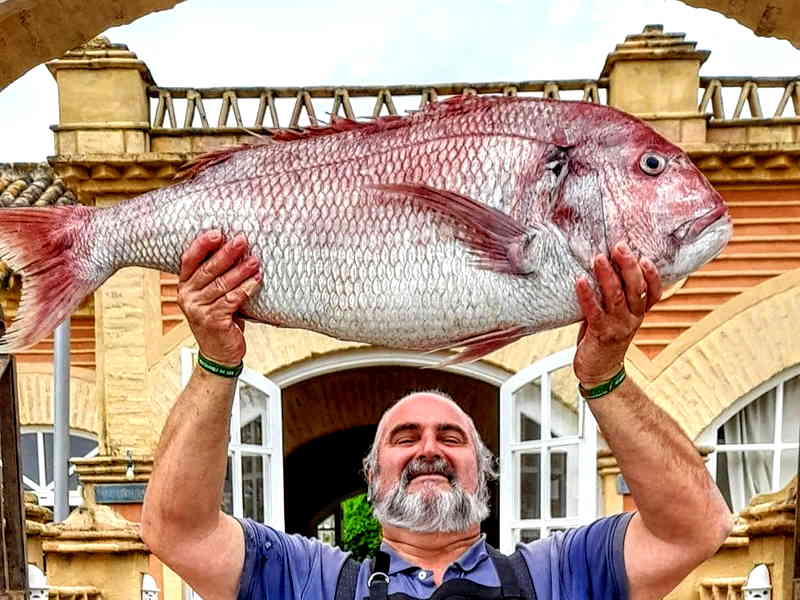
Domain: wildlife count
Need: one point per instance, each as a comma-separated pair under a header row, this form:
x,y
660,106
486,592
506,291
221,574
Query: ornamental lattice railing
x,y
262,109
752,98
724,99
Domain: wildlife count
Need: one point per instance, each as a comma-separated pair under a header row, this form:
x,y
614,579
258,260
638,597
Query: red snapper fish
x,y
465,224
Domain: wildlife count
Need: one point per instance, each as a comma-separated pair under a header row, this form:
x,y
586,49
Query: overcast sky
x,y
203,43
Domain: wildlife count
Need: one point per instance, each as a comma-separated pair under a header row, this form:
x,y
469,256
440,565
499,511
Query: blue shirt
x,y
585,563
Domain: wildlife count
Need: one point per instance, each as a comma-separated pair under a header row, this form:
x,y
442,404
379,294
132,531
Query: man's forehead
x,y
424,408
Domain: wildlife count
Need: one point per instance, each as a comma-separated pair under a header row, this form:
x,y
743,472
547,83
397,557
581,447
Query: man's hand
x,y
216,279
610,324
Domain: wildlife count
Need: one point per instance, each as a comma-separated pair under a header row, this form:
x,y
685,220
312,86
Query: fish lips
x,y
693,228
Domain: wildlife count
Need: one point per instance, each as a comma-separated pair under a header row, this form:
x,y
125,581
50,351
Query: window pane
x,y
227,489
564,408
791,410
253,487
528,412
48,456
253,412
528,535
30,456
80,446
564,481
754,424
530,481
788,467
742,475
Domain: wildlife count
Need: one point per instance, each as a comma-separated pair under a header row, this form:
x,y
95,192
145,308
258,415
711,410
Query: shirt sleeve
x,y
291,567
582,563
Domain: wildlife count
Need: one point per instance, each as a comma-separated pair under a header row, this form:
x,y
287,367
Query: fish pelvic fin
x,y
478,346
39,243
498,242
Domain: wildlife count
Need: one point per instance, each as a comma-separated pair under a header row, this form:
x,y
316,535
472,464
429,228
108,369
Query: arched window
x,y
756,441
37,462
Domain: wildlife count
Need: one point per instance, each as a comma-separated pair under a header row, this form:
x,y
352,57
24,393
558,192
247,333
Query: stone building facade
x,y
717,342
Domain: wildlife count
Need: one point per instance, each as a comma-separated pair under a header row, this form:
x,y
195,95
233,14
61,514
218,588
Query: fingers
x,y
611,290
203,245
587,300
220,262
633,281
654,288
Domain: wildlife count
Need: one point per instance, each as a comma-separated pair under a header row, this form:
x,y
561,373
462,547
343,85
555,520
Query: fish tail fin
x,y
45,246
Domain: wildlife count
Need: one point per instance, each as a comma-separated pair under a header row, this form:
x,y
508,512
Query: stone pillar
x,y
770,527
37,519
98,549
116,480
102,100
656,76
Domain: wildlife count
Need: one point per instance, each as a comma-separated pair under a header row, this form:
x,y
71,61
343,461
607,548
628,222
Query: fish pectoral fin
x,y
498,242
480,345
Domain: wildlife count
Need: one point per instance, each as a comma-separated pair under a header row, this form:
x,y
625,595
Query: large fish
x,y
465,224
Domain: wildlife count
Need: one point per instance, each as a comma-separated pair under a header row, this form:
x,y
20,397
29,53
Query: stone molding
x,y
654,44
113,469
95,529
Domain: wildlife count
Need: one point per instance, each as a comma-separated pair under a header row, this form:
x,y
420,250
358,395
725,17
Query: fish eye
x,y
652,163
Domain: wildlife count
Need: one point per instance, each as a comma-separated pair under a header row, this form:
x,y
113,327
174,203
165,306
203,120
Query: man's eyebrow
x,y
451,427
403,427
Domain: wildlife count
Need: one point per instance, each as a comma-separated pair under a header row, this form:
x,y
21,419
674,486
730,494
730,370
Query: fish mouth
x,y
692,228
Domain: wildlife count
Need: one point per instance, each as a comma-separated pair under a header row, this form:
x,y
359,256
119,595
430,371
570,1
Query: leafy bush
x,y
361,532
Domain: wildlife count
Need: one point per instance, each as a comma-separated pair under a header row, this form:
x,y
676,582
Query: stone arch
x,y
324,444
722,362
31,33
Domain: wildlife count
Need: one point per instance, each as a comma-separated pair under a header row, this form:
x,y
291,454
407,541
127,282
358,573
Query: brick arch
x,y
30,34
728,357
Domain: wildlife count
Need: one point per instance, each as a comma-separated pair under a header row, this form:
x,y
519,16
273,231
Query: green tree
x,y
361,532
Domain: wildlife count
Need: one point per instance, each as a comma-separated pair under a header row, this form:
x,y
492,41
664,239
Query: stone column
x,y
102,134
102,100
95,548
656,76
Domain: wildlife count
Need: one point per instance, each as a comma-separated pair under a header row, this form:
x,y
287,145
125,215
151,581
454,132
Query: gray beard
x,y
429,510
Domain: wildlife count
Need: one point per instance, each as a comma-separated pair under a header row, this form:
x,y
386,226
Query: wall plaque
x,y
119,493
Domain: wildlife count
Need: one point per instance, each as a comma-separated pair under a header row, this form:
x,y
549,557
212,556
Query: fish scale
x,y
466,223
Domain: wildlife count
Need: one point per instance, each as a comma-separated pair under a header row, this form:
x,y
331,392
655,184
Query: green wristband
x,y
218,369
604,388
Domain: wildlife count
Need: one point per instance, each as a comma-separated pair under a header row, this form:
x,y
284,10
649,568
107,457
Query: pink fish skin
x,y
465,224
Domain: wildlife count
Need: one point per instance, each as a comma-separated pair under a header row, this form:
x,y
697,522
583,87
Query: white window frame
x,y
271,449
45,490
708,437
510,450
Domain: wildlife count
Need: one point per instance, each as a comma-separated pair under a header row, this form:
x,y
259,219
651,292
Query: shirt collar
x,y
468,561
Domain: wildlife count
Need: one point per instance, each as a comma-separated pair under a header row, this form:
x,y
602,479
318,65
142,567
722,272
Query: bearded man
x,y
427,473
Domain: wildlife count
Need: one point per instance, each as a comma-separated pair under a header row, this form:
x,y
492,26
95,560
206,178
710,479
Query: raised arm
x,y
682,518
181,519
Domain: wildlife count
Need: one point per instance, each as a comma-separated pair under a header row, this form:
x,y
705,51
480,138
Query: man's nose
x,y
429,447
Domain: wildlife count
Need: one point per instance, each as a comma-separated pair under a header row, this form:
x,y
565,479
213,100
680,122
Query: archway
x,y
324,444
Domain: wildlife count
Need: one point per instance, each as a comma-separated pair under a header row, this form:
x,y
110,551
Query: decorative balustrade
x,y
755,93
721,588
64,592
276,108
265,109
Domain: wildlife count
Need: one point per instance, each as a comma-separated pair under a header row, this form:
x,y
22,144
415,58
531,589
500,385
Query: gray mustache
x,y
420,466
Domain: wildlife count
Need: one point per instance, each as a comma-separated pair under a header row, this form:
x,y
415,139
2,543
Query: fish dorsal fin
x,y
498,242
456,105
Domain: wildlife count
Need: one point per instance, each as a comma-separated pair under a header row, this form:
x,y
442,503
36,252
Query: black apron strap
x,y
348,580
524,577
506,573
379,578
